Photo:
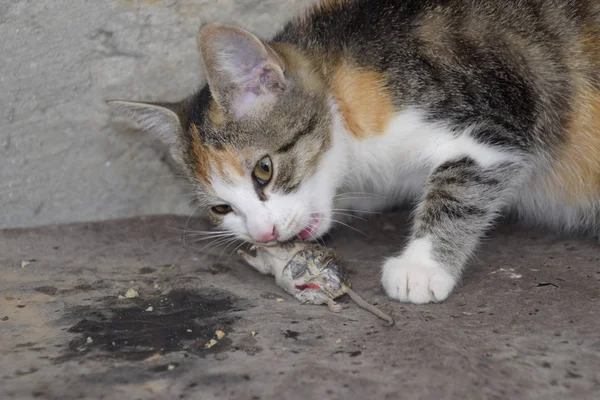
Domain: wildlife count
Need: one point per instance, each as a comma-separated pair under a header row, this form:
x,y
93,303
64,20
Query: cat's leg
x,y
460,202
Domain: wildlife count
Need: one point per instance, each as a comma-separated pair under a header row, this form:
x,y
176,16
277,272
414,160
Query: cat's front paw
x,y
416,280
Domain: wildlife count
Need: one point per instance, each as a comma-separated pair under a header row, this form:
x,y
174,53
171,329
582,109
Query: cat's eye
x,y
263,171
221,209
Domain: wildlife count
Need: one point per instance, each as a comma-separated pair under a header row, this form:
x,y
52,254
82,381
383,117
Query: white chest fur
x,y
389,168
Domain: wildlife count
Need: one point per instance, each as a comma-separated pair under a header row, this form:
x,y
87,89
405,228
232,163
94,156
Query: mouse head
x,y
283,252
273,259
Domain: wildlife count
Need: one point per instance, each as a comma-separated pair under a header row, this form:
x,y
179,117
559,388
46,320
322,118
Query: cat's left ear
x,y
158,119
244,74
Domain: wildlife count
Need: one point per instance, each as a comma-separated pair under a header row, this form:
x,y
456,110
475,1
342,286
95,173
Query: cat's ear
x,y
161,120
244,74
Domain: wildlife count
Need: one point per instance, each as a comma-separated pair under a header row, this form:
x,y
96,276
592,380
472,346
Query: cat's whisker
x,y
188,221
355,210
313,237
203,239
216,243
212,235
349,226
205,232
235,249
316,238
345,174
355,197
199,236
349,215
367,194
335,221
226,247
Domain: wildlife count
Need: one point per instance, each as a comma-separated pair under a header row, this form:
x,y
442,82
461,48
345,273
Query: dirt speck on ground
x,y
497,336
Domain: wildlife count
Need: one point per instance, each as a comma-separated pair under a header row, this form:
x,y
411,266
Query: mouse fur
x,y
310,272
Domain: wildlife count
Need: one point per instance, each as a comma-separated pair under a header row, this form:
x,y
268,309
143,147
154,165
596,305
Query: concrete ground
x,y
522,325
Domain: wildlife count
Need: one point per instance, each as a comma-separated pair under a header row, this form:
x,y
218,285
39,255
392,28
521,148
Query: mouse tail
x,y
370,307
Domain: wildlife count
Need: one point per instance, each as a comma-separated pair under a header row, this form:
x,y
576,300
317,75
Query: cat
x,y
471,108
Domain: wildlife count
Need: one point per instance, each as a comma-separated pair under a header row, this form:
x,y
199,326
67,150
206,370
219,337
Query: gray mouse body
x,y
310,272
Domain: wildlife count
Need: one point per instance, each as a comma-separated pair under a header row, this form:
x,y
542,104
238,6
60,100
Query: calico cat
x,y
472,108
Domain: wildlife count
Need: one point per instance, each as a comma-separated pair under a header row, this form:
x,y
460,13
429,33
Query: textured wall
x,y
62,157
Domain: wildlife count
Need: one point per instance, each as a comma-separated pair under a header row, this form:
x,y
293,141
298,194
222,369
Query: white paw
x,y
416,278
416,282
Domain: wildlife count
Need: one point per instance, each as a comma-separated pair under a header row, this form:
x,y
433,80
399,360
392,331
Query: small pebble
x,y
25,264
189,330
210,343
149,309
279,300
253,333
171,367
220,334
89,340
131,293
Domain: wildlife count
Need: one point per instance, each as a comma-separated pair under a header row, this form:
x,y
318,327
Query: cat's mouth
x,y
313,224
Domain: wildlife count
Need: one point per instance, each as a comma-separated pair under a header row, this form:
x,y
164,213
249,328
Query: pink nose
x,y
270,236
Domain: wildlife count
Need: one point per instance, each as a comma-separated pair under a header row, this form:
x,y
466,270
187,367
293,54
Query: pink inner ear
x,y
260,81
245,103
246,70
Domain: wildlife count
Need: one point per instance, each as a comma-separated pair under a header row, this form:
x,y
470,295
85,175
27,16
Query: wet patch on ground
x,y
139,328
82,288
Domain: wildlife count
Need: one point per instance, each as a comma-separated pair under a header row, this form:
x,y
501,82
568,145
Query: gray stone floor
x,y
522,325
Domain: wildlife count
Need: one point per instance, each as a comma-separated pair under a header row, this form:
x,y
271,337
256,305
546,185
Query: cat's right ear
x,y
159,120
244,74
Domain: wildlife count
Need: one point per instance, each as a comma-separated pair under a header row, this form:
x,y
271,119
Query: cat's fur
x,y
471,107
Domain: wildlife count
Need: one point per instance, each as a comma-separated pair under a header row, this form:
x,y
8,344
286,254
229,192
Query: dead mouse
x,y
310,272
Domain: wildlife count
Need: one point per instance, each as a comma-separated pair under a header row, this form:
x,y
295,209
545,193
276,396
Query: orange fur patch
x,y
225,162
577,171
215,113
590,42
364,100
576,174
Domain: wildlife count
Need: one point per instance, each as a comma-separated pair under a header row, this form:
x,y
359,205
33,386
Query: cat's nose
x,y
268,236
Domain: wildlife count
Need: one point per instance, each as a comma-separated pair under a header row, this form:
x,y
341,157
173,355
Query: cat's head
x,y
256,141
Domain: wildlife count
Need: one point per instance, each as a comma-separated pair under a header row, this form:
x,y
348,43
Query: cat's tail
x,y
370,307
